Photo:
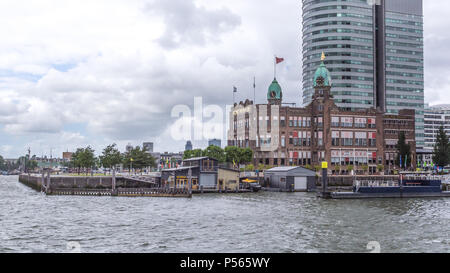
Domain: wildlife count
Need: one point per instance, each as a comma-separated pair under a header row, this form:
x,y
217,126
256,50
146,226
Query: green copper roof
x,y
276,88
323,72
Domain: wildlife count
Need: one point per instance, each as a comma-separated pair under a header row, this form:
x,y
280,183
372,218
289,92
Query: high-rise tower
x,y
374,53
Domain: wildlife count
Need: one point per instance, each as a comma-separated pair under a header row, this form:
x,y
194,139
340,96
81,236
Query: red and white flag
x,y
279,60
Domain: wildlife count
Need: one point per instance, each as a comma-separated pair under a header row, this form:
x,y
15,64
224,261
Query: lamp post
x,y
131,165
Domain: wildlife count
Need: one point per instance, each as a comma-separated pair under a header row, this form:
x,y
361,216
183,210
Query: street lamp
x,y
131,165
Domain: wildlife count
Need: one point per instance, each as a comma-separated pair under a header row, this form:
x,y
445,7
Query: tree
x,y
365,168
441,154
216,153
350,168
403,151
138,158
110,157
84,158
3,166
232,154
337,169
238,155
245,155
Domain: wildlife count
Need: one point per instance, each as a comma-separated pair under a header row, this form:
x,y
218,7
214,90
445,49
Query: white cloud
x,y
118,67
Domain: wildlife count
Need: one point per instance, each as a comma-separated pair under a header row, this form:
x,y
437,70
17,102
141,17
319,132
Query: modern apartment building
x,y
435,117
374,53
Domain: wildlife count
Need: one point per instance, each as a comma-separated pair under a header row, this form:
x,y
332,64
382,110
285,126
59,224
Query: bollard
x,y
325,193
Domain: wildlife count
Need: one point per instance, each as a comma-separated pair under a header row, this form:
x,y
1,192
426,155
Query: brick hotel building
x,y
282,135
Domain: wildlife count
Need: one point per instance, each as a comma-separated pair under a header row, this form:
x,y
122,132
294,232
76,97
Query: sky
x,y
76,73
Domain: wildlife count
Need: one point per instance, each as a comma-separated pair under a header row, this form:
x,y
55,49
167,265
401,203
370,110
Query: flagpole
x,y
274,67
254,90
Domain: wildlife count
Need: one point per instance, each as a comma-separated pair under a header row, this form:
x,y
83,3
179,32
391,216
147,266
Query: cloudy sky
x,y
76,73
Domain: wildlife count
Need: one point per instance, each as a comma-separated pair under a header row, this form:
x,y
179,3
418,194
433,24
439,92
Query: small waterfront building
x,y
228,179
208,171
204,174
290,179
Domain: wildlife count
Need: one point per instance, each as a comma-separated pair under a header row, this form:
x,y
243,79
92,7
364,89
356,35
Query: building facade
x,y
148,146
435,117
289,136
375,54
188,146
215,142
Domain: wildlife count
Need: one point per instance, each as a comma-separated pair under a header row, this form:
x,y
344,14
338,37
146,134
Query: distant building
x,y
148,146
188,146
129,147
67,156
435,117
215,142
171,160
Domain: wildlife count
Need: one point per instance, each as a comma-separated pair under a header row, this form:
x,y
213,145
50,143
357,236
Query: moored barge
x,y
407,186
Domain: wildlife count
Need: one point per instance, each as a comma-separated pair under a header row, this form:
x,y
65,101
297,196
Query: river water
x,y
262,222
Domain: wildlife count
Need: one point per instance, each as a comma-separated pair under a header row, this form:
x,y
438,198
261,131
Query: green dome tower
x,y
275,94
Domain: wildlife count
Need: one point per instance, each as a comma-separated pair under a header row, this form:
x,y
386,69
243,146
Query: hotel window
x,y
290,121
283,141
372,123
372,139
347,122
335,122
360,122
347,138
295,121
335,138
296,140
361,139
283,122
320,122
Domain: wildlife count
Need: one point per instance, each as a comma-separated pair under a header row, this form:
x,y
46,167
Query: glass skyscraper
x,y
374,52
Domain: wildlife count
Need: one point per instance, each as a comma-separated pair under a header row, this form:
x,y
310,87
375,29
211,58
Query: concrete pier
x,y
99,186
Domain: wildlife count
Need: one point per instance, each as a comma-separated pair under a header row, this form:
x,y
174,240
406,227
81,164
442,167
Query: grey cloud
x,y
187,23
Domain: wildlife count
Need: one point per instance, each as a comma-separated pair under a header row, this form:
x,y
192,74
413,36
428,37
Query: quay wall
x,y
64,182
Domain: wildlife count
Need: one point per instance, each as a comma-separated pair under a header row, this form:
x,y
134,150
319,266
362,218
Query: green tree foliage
x,y
230,154
215,152
110,157
193,153
403,151
441,154
138,158
84,158
3,166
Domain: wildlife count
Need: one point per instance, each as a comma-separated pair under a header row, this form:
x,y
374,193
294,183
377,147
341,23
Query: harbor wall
x,y
64,182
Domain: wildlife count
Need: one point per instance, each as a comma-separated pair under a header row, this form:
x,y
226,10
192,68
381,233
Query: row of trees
x,y
230,154
137,158
23,161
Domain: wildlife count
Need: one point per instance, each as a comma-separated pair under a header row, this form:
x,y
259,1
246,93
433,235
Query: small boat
x,y
251,185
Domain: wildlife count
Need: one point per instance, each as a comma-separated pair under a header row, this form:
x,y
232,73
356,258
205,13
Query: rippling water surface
x,y
262,222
